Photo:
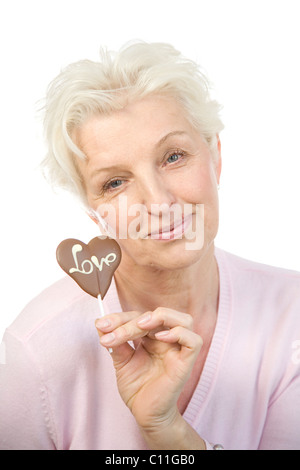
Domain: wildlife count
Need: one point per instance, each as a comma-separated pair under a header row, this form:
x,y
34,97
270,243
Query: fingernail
x,y
102,323
144,319
161,334
107,339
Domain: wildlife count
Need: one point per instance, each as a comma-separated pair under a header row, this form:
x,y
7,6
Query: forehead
x,y
145,121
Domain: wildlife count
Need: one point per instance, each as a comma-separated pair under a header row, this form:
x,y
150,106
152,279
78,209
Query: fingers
x,y
116,329
114,320
165,318
122,352
189,341
119,328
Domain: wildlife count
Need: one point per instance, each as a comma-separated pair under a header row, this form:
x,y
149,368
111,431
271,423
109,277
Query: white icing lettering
x,y
108,260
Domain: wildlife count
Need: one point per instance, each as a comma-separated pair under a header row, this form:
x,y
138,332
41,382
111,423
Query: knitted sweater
x,y
58,387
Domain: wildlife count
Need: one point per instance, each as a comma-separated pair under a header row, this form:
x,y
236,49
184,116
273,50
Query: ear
x,y
218,159
101,224
93,216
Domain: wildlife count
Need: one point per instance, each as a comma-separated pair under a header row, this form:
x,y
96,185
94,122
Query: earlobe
x,y
218,160
101,224
93,216
219,169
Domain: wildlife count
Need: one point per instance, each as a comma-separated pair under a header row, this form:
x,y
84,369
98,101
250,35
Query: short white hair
x,y
87,88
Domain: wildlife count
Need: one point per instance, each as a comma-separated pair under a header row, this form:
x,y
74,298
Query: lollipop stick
x,y
102,312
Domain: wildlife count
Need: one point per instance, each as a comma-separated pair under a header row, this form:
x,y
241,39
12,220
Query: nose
x,y
156,196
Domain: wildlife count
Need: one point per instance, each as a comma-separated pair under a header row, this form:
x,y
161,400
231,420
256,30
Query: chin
x,y
171,255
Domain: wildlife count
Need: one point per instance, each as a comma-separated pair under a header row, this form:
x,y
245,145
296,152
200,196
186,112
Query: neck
x,y
145,289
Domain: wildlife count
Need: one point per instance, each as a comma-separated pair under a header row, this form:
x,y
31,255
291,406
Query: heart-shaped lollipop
x,y
92,266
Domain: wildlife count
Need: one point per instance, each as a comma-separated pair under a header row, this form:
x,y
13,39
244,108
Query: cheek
x,y
123,219
199,186
203,190
107,215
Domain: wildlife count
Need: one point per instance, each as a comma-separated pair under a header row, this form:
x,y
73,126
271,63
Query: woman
x,y
203,343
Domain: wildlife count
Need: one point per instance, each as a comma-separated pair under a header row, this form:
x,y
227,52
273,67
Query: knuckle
x,y
124,331
189,321
160,311
199,342
122,319
160,314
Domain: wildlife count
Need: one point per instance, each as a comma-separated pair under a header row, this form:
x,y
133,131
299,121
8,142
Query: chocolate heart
x,y
92,266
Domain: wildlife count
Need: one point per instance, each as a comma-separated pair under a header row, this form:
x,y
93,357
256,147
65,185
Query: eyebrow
x,y
106,169
158,144
167,136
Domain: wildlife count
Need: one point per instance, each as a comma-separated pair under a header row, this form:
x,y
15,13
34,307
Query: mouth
x,y
172,232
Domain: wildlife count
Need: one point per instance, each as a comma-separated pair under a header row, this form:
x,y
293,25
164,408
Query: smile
x,y
176,231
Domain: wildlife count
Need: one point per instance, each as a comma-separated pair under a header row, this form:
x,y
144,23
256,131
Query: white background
x,y
250,50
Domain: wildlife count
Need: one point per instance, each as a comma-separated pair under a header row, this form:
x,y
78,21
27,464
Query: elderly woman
x,y
204,345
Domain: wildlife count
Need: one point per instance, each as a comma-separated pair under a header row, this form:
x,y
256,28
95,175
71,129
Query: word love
x,y
91,265
108,260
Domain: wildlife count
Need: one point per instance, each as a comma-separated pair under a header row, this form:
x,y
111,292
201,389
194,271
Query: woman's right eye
x,y
113,184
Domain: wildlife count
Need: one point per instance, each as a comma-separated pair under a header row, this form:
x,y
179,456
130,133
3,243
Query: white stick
x,y
102,312
101,306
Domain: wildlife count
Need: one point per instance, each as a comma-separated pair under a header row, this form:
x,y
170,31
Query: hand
x,y
151,375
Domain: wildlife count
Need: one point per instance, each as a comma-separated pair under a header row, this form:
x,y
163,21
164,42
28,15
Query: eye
x,y
115,184
112,184
174,157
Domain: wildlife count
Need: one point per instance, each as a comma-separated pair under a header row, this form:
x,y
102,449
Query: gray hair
x,y
86,88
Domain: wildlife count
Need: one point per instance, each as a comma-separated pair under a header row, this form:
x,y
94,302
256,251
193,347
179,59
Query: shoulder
x,y
54,337
60,309
258,275
271,294
51,358
265,304
48,305
265,313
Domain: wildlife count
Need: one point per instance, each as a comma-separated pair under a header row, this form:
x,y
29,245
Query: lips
x,y
175,231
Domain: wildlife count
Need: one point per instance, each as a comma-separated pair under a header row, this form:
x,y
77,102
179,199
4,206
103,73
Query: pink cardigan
x,y
58,389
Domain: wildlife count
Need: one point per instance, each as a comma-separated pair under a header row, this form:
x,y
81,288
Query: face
x,y
150,174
